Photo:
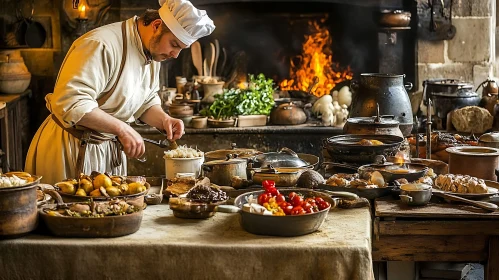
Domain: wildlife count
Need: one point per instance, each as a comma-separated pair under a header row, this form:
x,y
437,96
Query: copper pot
x,y
394,18
288,114
480,162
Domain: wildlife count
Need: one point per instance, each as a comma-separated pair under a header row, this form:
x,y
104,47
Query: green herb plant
x,y
256,99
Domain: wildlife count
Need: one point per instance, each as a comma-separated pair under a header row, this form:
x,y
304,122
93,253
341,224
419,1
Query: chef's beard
x,y
153,43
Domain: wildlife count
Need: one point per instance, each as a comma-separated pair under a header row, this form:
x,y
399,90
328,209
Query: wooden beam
x,y
399,227
430,248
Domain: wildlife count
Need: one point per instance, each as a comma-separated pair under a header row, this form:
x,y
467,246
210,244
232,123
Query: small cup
x,y
415,194
199,122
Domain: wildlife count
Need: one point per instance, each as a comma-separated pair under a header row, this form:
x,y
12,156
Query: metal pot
x,y
220,172
239,152
415,194
284,158
490,139
288,114
346,148
386,90
18,209
480,162
383,125
448,95
283,177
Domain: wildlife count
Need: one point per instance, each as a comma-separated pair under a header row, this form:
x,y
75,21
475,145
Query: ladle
x,y
480,204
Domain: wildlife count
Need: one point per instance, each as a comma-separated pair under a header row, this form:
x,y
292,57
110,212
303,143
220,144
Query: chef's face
x,y
164,44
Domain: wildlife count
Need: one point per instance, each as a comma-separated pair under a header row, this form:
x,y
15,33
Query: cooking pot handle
x,y
288,151
230,156
408,86
207,168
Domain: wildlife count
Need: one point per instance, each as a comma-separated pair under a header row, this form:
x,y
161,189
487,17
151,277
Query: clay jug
x,y
489,95
288,114
14,75
387,90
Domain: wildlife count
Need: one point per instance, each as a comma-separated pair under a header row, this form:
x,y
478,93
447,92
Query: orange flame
x,y
399,158
316,61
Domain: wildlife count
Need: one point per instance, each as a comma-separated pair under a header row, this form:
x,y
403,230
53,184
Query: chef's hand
x,y
174,128
132,142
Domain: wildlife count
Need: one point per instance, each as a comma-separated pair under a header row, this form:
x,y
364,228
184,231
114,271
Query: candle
x,y
82,11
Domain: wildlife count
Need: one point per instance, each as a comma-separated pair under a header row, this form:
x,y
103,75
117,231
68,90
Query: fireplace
x,y
269,36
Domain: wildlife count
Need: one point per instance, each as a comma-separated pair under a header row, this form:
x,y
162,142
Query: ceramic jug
x,y
14,75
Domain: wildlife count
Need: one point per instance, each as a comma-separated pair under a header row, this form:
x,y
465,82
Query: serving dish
x,y
493,189
106,226
366,193
283,225
187,208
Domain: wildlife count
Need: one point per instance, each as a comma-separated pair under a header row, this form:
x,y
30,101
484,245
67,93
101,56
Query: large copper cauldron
x,y
389,91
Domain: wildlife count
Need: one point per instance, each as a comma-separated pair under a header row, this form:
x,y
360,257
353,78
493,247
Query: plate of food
x,y
371,188
466,186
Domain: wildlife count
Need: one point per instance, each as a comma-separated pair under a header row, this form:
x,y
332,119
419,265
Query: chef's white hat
x,y
185,21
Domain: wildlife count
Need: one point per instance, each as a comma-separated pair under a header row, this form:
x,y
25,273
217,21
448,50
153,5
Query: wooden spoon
x,y
480,204
197,57
212,59
217,54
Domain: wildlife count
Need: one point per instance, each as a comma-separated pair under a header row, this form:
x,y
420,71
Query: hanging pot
x,y
389,91
28,31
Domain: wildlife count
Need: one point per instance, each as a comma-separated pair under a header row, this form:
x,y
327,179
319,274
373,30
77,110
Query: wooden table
x,y
436,232
166,247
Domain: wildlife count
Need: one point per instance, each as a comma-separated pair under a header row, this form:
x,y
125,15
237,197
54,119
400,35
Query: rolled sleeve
x,y
84,74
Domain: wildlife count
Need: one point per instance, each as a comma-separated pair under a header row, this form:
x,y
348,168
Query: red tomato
x,y
287,209
264,197
272,190
319,199
291,195
297,200
268,184
323,205
297,210
280,198
310,200
310,210
306,206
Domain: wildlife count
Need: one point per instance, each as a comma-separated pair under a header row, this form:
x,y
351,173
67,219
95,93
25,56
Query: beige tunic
x,y
91,68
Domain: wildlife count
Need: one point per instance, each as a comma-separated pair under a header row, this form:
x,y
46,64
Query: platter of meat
x,y
466,186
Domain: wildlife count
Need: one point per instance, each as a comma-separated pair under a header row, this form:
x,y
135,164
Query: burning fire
x,y
399,158
316,61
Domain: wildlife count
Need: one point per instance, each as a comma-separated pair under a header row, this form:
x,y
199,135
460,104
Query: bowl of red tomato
x,y
291,211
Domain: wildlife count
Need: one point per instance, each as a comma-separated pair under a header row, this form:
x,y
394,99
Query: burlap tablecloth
x,y
166,247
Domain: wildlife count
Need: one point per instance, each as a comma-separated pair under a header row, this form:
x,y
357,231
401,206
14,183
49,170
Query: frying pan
x,y
345,148
28,31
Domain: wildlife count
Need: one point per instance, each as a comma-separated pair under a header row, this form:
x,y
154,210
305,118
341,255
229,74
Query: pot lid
x,y
381,120
490,137
223,162
448,88
239,152
284,158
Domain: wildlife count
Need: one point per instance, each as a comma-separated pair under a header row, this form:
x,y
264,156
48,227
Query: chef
x,y
109,79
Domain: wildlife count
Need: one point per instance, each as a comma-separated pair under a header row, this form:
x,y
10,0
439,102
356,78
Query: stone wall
x,y
470,55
